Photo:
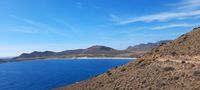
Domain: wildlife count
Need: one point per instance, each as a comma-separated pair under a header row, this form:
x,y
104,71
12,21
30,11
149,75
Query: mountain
x,y
171,66
36,55
2,61
5,59
141,49
146,47
94,51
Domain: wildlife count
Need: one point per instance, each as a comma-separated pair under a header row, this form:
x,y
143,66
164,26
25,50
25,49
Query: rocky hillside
x,y
151,72
94,51
187,44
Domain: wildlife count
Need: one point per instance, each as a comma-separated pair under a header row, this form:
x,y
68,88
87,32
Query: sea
x,y
49,74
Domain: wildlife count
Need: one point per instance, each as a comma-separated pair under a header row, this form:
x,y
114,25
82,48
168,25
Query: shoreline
x,y
79,58
103,58
74,58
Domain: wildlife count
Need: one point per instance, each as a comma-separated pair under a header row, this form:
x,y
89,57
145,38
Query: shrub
x,y
108,73
182,62
176,78
169,69
192,65
173,53
156,50
196,73
123,69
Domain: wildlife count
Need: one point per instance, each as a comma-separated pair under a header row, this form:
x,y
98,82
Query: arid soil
x,y
172,66
186,45
141,75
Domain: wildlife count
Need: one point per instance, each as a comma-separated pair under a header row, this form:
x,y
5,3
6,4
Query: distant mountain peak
x,y
100,47
147,47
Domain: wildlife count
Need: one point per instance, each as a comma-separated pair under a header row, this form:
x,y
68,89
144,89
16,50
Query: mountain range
x,y
146,47
93,51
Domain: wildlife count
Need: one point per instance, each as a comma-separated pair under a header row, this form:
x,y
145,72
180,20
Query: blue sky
x,y
56,25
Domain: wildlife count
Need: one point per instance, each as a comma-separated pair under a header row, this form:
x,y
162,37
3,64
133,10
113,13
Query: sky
x,y
57,25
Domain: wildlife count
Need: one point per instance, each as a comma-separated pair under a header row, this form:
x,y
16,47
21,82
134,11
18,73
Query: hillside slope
x,y
151,73
187,44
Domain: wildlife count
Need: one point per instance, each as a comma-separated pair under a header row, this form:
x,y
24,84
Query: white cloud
x,y
189,4
114,17
184,10
164,16
26,20
173,26
35,27
23,29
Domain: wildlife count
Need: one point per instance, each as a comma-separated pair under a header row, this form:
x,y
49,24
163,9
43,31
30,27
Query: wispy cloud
x,y
114,17
189,4
35,27
179,13
164,16
24,29
173,26
25,20
64,23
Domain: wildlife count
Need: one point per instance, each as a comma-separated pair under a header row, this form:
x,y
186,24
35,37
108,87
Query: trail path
x,y
180,61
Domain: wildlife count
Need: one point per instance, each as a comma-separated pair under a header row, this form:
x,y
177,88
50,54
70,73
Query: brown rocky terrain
x,y
187,44
185,48
172,66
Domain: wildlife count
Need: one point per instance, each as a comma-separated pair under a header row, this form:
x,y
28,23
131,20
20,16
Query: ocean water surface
x,y
48,74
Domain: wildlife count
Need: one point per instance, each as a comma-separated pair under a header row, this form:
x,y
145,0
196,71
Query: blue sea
x,y
48,74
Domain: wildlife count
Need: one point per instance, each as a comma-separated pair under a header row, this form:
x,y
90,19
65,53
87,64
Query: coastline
x,y
103,58
75,58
